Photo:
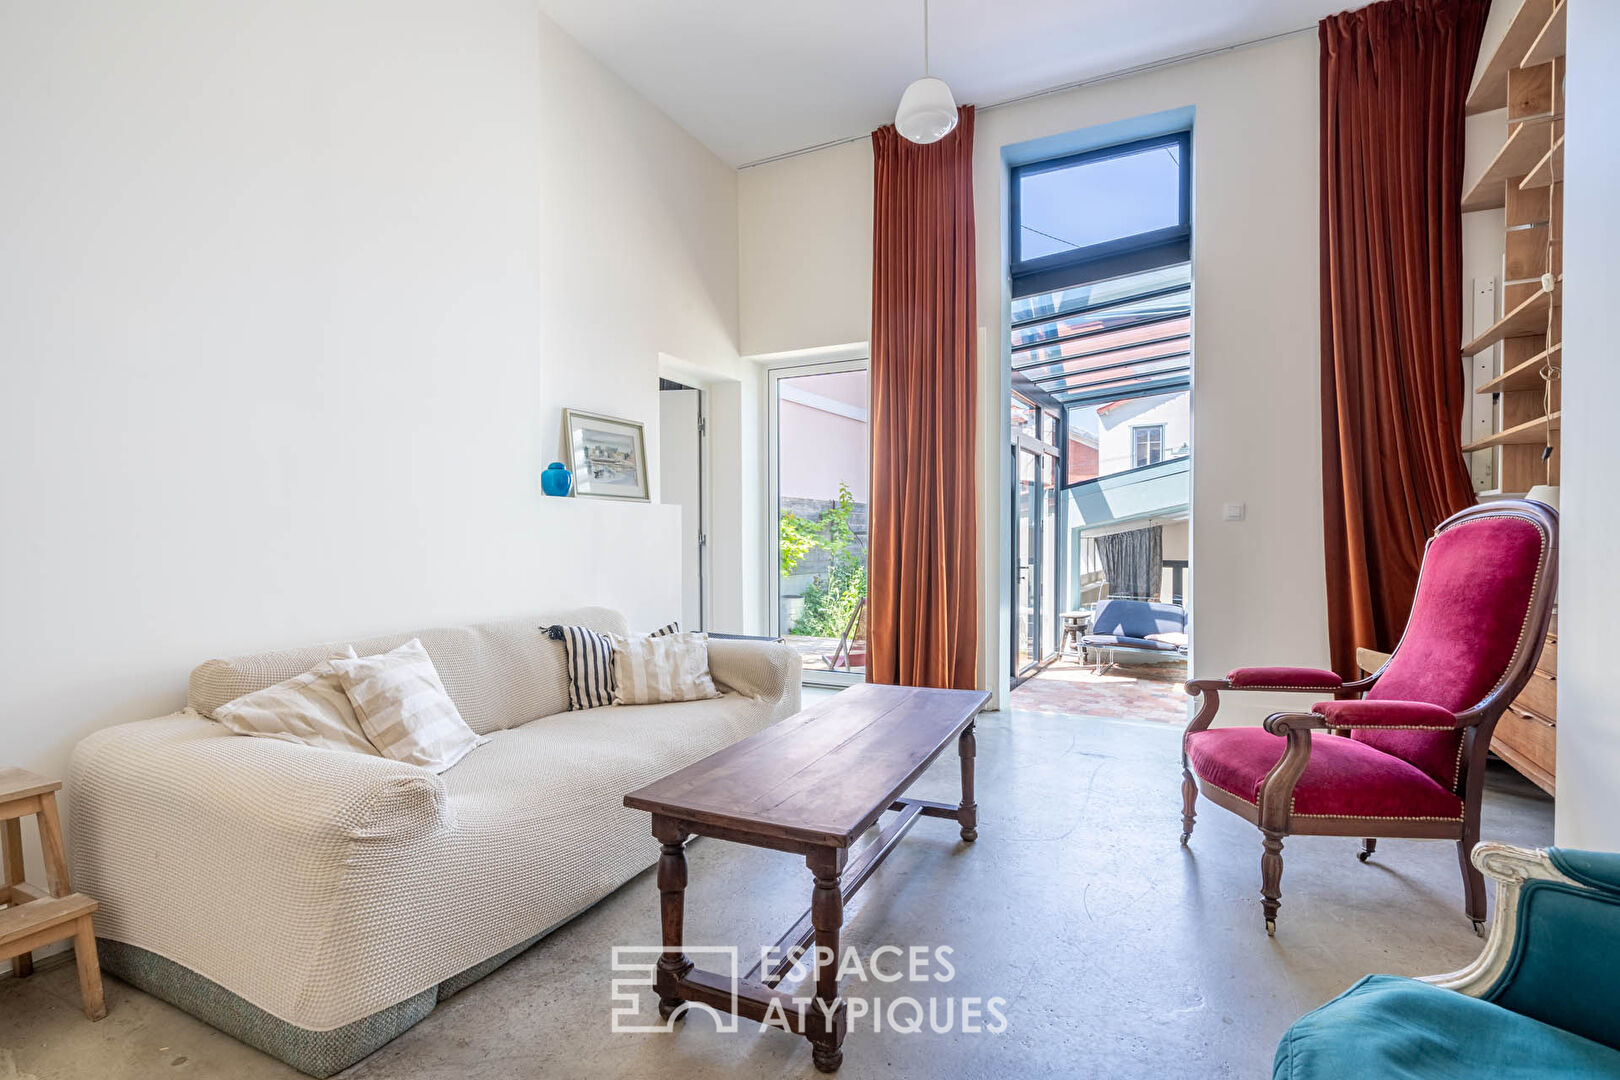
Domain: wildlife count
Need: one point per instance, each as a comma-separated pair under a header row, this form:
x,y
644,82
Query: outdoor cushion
x,y
1284,678
1344,778
1400,1029
1138,618
1103,641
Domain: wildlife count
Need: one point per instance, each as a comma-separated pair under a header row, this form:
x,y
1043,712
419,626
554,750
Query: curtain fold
x,y
923,622
1393,79
1133,562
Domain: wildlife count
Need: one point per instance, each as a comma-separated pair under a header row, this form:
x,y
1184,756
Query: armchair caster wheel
x,y
1271,927
1479,927
1363,856
1186,836
669,1008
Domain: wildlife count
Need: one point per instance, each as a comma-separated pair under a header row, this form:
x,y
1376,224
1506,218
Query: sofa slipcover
x,y
325,888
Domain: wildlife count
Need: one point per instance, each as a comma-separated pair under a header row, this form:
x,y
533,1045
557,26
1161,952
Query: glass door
x,y
1026,651
1036,552
820,444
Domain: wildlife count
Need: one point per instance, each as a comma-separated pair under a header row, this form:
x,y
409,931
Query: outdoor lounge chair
x,y
1138,627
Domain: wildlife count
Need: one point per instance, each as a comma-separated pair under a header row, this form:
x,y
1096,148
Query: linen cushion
x,y
1284,678
1394,1028
661,667
404,710
590,663
311,709
1344,778
499,674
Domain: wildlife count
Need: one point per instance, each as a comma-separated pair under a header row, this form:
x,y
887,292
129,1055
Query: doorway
x,y
820,475
1100,356
683,457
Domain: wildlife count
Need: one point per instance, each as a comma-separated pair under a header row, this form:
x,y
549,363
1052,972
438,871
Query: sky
x,y
1098,201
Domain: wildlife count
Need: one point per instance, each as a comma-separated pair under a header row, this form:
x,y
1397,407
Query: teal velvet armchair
x,y
1542,1000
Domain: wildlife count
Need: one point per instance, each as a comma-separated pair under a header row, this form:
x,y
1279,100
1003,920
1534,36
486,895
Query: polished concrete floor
x,y
1116,952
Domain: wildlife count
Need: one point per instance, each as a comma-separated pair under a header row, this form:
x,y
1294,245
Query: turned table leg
x,y
968,812
673,965
826,1024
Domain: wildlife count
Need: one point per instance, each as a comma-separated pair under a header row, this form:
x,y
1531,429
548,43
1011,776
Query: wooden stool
x,y
33,919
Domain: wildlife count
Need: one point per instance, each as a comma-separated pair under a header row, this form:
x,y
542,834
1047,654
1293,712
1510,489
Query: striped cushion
x,y
310,708
403,708
661,667
590,663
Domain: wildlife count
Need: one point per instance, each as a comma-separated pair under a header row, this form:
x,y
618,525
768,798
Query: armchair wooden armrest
x,y
1266,680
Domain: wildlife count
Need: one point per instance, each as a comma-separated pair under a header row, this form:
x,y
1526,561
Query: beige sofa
x,y
315,903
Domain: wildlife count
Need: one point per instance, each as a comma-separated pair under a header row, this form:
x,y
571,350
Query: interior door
x,y
680,430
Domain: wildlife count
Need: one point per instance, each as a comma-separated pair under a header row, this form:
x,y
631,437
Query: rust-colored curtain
x,y
923,625
1394,76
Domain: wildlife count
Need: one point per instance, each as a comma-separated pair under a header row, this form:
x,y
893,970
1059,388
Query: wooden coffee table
x,y
809,785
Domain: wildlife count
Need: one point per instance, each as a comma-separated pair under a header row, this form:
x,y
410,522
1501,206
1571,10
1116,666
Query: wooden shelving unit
x,y
1524,376
1525,76
1549,170
1549,44
1490,89
1527,143
1527,319
1530,433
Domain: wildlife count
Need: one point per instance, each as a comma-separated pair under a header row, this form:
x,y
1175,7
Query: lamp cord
x,y
926,71
1548,372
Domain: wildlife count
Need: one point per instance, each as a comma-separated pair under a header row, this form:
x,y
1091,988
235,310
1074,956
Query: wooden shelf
x,y
1527,143
1549,44
1530,433
1526,320
1490,91
1525,376
1548,171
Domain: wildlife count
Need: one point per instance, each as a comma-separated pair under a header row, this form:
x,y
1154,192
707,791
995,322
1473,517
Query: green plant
x,y
829,599
798,539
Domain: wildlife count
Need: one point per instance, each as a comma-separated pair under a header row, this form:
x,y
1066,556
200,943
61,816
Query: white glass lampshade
x,y
1544,493
927,111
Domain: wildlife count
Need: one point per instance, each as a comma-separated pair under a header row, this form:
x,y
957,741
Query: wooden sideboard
x,y
1527,735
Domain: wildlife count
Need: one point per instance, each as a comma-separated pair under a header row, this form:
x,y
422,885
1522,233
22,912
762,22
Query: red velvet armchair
x,y
1411,759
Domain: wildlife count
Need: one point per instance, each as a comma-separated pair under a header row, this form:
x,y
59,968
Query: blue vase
x,y
556,479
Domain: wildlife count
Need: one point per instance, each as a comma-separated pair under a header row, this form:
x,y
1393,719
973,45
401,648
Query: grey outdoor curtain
x,y
1133,562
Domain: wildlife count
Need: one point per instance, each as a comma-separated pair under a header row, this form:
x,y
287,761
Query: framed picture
x,y
608,456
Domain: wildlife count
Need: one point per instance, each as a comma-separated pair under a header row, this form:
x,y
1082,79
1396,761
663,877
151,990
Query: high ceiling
x,y
756,78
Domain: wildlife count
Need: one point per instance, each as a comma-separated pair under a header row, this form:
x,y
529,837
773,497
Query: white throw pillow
x,y
661,667
311,709
404,710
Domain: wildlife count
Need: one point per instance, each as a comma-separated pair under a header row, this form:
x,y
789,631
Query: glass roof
x,y
1109,339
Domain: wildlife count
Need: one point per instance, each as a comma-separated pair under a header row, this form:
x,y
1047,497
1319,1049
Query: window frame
x,y
1109,258
1137,431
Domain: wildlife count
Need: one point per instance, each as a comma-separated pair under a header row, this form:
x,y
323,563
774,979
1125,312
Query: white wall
x,y
291,297
1588,718
805,241
806,268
